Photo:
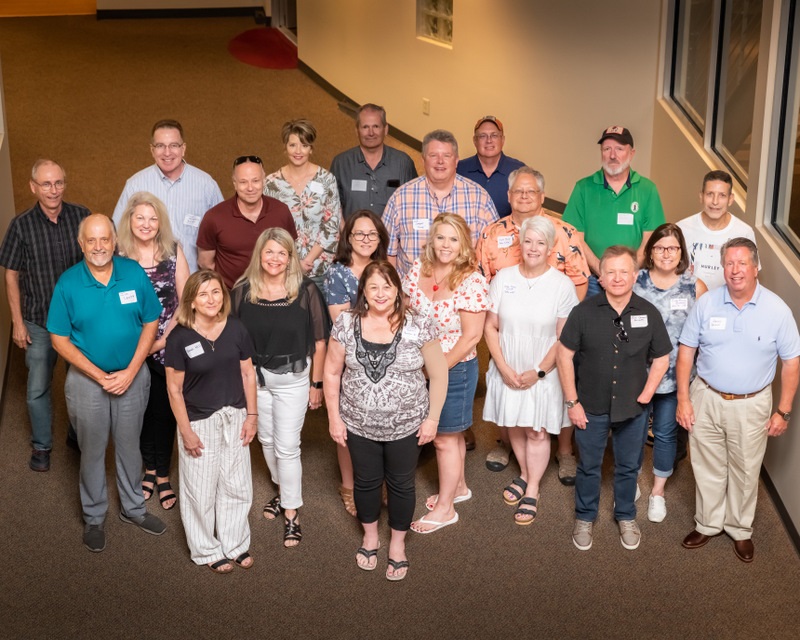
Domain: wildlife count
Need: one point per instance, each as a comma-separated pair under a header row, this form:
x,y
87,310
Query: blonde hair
x,y
465,263
164,240
254,273
184,315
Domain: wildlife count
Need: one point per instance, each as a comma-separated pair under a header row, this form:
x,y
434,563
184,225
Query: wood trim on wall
x,y
20,8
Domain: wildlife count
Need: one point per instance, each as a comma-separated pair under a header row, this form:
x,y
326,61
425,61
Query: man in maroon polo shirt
x,y
229,230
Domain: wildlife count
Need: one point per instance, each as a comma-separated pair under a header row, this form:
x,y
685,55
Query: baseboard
x,y
781,509
134,14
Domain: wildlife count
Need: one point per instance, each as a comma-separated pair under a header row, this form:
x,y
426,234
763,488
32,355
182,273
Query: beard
x,y
614,171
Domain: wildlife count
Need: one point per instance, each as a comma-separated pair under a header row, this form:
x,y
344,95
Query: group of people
x,y
370,288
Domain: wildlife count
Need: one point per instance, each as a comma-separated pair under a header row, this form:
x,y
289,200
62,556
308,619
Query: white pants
x,y
282,406
216,489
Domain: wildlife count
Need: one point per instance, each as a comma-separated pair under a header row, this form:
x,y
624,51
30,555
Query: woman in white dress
x,y
530,303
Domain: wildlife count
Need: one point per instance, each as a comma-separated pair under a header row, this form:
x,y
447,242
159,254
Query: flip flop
x,y
430,503
436,525
396,565
368,554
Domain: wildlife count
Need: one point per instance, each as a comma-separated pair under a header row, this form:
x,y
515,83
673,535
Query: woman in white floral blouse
x,y
311,194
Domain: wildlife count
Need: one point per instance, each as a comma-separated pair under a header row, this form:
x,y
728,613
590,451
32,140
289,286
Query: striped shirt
x,y
413,207
41,251
187,199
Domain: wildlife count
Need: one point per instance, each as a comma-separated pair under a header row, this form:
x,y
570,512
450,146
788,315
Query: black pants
x,y
396,463
158,425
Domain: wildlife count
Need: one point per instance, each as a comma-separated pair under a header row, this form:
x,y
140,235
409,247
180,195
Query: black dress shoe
x,y
743,550
695,540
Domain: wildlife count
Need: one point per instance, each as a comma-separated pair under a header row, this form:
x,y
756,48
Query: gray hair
x,y
375,108
43,161
541,226
526,171
740,242
439,135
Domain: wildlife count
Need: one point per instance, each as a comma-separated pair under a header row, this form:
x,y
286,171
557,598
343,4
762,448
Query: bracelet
x,y
252,414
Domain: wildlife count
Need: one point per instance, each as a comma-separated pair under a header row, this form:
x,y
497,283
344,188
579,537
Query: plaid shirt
x,y
498,247
413,207
41,251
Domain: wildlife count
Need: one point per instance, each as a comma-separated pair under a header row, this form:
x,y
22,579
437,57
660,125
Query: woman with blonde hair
x,y
445,286
145,235
286,317
212,391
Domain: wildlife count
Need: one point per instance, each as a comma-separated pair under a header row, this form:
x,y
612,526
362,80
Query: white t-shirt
x,y
703,245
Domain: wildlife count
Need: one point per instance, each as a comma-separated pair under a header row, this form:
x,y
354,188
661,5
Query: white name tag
x,y
625,218
637,322
504,242
315,187
717,324
194,350
509,288
127,297
679,304
421,224
410,332
358,185
192,221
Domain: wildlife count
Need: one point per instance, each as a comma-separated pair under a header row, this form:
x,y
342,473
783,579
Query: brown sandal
x,y
348,500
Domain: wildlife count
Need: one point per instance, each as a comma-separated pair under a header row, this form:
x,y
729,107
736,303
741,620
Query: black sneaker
x,y
40,460
148,523
94,538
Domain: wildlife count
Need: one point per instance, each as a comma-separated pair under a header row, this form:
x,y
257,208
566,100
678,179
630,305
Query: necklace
x,y
531,282
436,282
211,343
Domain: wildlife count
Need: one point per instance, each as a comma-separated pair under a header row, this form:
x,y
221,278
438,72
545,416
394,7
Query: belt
x,y
732,396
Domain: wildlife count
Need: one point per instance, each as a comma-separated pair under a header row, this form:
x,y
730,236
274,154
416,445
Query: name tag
x,y
192,221
421,224
315,187
127,297
504,242
509,288
717,324
194,350
637,322
410,332
358,185
679,304
625,218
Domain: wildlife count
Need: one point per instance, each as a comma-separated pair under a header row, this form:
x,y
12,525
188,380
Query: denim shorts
x,y
461,384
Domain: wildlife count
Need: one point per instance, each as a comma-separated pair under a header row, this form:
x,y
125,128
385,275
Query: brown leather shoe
x,y
743,550
695,540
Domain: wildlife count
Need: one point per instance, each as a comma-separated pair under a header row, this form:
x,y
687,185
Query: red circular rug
x,y
266,48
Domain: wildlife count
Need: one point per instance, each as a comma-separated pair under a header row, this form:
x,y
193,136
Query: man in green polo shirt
x,y
615,205
103,319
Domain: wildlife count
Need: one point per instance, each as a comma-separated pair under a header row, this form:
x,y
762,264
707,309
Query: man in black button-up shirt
x,y
605,348
40,244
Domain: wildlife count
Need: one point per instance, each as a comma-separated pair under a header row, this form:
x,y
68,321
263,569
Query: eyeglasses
x,y
670,251
243,159
526,192
360,235
48,186
483,137
621,334
172,146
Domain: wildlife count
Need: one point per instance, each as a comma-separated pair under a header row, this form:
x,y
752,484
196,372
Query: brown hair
x,y
302,128
184,316
344,251
389,274
665,231
617,250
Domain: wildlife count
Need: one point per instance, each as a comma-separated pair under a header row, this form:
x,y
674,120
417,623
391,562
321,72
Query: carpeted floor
x,y
87,93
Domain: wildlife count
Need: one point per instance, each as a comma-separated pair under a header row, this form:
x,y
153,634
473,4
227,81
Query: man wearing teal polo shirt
x,y
614,205
102,320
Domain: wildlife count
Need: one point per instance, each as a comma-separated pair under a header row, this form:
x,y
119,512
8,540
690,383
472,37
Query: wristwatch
x,y
786,415
572,403
317,385
541,374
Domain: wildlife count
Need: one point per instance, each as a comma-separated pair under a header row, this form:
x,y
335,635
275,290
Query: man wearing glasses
x,y
39,246
603,355
490,167
229,231
187,191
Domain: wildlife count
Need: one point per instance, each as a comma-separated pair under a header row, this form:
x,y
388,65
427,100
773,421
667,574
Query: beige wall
x,y
6,215
556,76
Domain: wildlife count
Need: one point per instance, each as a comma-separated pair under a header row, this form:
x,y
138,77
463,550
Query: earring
x,y
366,304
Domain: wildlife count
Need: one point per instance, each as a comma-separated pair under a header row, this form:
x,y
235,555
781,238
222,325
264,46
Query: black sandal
x,y
148,491
531,502
368,554
512,489
396,565
240,561
291,532
273,508
164,487
221,566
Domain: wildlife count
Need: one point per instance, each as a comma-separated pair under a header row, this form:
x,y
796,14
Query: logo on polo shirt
x,y
634,206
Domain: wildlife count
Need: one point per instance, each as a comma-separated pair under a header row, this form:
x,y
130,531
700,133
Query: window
x,y
693,59
435,20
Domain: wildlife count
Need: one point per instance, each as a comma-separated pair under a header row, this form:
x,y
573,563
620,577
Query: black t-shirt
x,y
213,377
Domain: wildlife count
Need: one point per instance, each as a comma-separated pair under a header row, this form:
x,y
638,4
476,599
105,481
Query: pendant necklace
x,y
436,282
211,343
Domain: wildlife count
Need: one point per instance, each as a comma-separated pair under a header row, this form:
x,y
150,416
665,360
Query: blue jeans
x,y
40,358
593,286
627,441
665,433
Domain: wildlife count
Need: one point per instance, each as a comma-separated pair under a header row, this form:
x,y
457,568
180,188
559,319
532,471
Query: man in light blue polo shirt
x,y
740,331
103,319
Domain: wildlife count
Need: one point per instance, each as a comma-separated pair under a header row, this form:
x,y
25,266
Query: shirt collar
x,y
89,280
178,179
726,296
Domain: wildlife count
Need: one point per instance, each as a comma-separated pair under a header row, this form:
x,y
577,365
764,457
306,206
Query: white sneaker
x,y
638,493
629,534
656,509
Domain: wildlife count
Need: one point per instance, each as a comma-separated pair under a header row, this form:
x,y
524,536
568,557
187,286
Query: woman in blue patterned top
x,y
363,239
666,282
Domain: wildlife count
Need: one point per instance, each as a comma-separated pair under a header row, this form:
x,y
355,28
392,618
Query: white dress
x,y
528,311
